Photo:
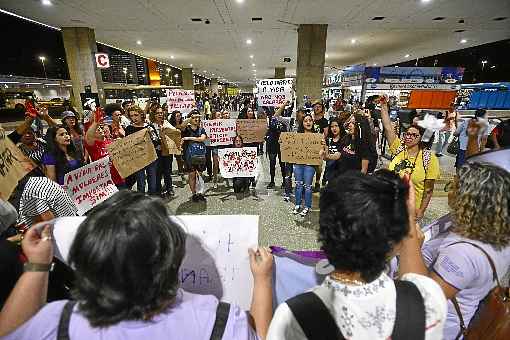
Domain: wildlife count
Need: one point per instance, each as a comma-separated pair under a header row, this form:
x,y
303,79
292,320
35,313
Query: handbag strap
x,y
65,318
491,262
410,312
463,328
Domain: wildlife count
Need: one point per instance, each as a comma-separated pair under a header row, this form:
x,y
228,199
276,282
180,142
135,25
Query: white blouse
x,y
367,311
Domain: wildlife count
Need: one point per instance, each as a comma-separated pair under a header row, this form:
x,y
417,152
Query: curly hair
x,y
126,254
481,208
362,218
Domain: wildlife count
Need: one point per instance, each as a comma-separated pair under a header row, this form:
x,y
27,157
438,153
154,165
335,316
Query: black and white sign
x,y
274,92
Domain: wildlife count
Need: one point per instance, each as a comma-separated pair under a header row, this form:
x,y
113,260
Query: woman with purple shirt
x,y
126,257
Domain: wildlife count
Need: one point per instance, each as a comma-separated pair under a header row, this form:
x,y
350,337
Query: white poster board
x,y
274,92
220,131
90,185
180,100
238,162
216,260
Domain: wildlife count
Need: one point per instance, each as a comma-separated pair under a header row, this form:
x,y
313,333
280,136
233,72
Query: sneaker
x,y
271,185
286,198
296,210
195,198
304,212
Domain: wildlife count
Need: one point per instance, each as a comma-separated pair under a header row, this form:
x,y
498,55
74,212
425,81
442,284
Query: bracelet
x,y
38,267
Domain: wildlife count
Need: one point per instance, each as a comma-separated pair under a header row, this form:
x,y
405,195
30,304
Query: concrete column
x,y
310,61
214,86
80,46
187,78
279,72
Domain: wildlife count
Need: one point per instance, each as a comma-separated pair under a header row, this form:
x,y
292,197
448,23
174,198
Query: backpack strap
x,y
220,323
410,312
314,317
65,318
400,149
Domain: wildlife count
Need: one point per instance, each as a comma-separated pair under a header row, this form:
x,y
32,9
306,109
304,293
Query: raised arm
x,y
280,109
29,294
261,310
387,124
43,113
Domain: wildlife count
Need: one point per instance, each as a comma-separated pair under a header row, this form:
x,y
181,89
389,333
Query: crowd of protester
x,y
370,229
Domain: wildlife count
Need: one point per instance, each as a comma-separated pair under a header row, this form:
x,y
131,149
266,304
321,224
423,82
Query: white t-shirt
x,y
367,311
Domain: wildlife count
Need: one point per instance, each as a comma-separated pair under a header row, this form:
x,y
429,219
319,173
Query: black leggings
x,y
272,165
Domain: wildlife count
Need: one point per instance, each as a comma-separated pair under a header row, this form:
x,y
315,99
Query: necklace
x,y
337,277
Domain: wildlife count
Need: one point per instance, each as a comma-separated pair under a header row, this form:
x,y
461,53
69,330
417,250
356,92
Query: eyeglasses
x,y
410,134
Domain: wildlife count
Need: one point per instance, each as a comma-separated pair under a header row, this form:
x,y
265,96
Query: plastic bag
x,y
200,186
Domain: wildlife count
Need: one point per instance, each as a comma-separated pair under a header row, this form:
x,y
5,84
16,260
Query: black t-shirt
x,y
320,125
351,155
189,132
333,146
10,268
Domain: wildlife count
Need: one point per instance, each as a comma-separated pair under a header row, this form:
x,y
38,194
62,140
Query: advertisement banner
x,y
274,92
301,148
414,75
410,86
252,130
180,100
238,162
14,165
90,185
132,153
220,131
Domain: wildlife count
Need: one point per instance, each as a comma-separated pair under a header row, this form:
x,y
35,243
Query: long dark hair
x,y
173,119
301,127
340,125
362,135
77,126
52,148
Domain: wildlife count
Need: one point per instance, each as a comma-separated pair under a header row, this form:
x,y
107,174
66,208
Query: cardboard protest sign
x,y
14,165
90,185
132,153
216,260
170,142
220,131
238,162
180,100
252,130
301,148
274,92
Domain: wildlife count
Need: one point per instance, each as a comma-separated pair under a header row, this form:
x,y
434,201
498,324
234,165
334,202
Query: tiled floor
x,y
277,224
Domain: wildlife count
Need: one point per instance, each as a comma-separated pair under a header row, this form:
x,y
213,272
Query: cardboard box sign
x,y
171,142
301,148
252,130
132,153
14,165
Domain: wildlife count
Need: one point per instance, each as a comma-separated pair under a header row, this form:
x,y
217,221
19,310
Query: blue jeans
x,y
151,178
304,178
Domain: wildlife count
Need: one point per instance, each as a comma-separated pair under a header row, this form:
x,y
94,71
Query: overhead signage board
x,y
102,60
414,75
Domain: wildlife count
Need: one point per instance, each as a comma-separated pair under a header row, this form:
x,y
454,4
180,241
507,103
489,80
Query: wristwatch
x,y
38,267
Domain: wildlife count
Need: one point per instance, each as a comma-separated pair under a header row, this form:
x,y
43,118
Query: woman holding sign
x,y
304,174
164,163
61,154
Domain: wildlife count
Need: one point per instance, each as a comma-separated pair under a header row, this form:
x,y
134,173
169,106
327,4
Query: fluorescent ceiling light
x,y
46,2
407,56
172,57
353,41
248,41
251,56
138,42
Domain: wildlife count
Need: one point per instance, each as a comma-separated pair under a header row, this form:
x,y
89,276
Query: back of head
x,y
126,254
362,218
109,109
481,203
480,113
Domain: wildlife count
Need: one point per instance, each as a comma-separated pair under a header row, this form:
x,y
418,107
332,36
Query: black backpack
x,y
317,323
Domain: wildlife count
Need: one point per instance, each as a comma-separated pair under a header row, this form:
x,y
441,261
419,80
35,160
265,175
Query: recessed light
x,y
46,2
172,57
138,42
239,1
353,41
407,56
190,65
463,41
248,41
374,64
253,65
425,1
251,56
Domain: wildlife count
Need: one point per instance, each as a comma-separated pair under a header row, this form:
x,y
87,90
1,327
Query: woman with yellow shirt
x,y
412,156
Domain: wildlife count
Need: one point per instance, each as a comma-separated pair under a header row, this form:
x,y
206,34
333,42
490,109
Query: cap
x,y
8,215
67,114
